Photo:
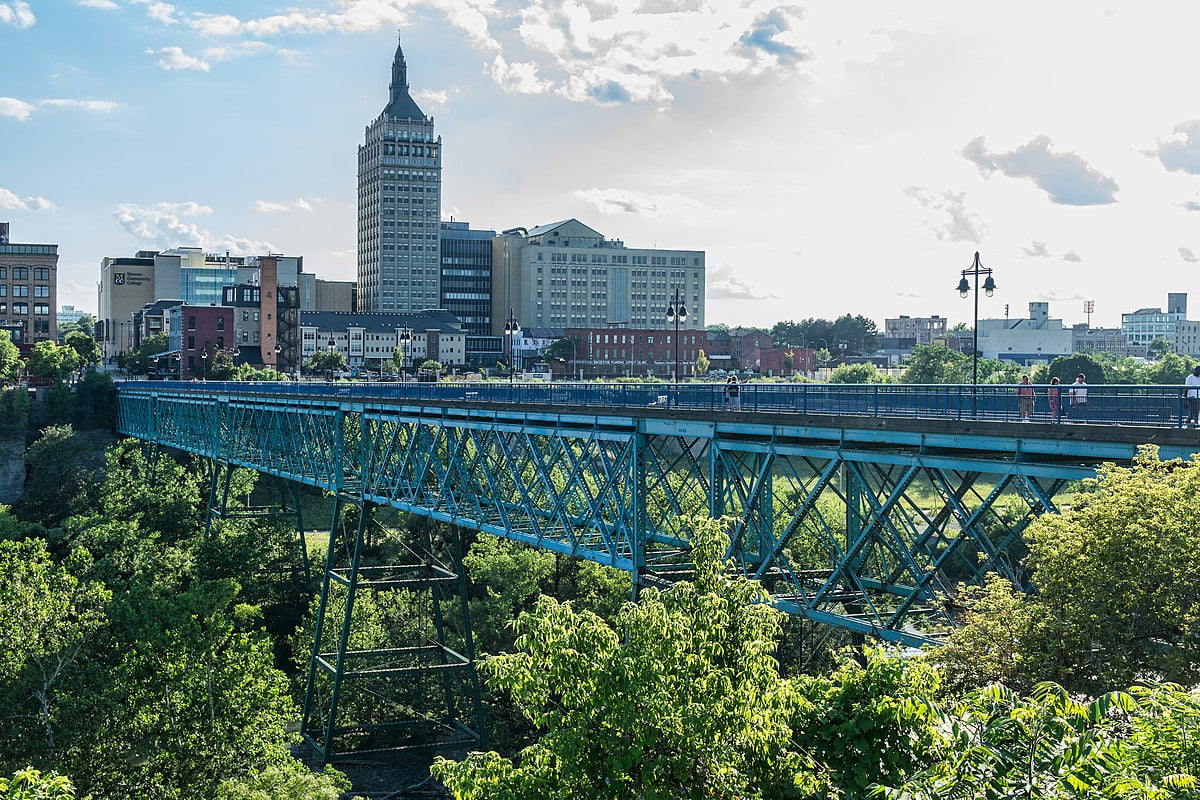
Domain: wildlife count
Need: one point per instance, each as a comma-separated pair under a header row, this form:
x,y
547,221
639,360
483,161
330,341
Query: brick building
x,y
197,334
28,288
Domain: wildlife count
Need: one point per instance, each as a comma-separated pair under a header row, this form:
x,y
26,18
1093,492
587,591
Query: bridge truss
x,y
863,526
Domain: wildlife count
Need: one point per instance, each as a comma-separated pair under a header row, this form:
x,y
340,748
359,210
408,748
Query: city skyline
x,y
827,161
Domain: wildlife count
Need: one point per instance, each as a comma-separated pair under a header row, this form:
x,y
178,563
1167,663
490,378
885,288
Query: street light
x,y
676,313
964,288
331,346
510,330
403,337
204,364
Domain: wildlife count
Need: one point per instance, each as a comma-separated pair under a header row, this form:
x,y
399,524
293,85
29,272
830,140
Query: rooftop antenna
x,y
1088,307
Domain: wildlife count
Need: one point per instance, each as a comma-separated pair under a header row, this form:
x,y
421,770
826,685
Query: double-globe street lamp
x,y
404,336
511,326
964,288
677,314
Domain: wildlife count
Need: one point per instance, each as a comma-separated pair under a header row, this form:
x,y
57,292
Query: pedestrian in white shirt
x,y
1193,397
1079,398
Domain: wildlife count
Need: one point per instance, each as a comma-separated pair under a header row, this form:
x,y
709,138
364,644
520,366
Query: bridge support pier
x,y
386,638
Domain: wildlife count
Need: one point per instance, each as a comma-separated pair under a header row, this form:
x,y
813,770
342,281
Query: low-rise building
x,y
371,339
636,352
152,320
266,324
69,315
1037,339
1085,338
923,329
1143,326
197,334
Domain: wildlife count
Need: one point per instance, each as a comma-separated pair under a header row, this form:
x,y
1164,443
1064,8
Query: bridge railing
x,y
1155,406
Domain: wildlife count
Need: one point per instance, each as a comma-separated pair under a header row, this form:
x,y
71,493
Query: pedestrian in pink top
x,y
1025,396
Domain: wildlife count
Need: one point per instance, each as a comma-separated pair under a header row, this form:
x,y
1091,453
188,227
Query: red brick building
x,y
197,330
614,352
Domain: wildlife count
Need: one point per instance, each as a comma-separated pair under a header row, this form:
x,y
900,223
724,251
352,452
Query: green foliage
x,y
562,350
702,362
219,365
935,363
431,367
1048,746
10,358
860,334
288,781
138,361
1169,370
95,402
607,700
30,784
247,372
59,479
326,361
858,373
85,347
1116,598
14,407
1065,368
868,724
1158,348
52,362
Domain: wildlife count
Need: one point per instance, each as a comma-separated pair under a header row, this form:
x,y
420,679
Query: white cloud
x,y
173,58
624,201
352,16
1071,255
166,225
17,109
1065,177
283,206
103,5
722,284
1036,250
520,77
82,105
158,11
17,13
1181,153
237,50
11,201
962,225
1188,255
432,98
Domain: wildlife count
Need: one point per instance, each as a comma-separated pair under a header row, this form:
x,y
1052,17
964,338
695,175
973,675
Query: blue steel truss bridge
x,y
861,506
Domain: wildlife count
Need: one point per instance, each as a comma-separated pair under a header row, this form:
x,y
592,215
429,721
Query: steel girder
x,y
870,534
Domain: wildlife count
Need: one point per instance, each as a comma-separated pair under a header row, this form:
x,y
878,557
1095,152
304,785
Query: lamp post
x,y
331,345
510,330
403,337
964,288
204,364
676,313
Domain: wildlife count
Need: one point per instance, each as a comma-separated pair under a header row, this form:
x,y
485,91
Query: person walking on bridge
x,y
1025,398
1079,398
1193,397
1053,397
733,393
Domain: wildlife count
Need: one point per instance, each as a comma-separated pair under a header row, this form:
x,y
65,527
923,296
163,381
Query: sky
x,y
829,157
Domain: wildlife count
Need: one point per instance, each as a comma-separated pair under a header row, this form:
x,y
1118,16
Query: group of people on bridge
x,y
1077,399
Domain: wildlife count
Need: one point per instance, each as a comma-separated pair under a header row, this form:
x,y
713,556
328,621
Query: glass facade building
x,y
203,286
466,263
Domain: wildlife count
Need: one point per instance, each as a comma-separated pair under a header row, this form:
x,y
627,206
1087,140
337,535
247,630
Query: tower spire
x,y
399,71
400,103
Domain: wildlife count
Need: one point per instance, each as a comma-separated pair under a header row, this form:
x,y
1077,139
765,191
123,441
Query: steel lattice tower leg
x,y
363,696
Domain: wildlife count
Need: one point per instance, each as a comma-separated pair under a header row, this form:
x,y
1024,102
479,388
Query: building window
x,y
191,323
20,291
221,323
20,308
20,273
191,343
41,308
41,274
41,291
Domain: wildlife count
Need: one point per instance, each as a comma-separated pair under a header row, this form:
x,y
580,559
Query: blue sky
x,y
830,157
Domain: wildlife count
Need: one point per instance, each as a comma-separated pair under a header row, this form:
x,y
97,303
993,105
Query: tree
x,y
857,373
30,784
52,362
1158,348
431,367
702,363
85,346
327,361
1065,368
789,361
10,358
822,357
1169,370
605,700
138,362
1115,597
220,366
85,324
59,480
936,364
287,781
562,350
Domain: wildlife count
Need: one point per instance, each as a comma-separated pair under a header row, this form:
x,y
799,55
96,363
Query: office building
x,y
266,329
187,274
1143,326
1035,340
1086,339
69,315
466,280
152,320
923,329
318,294
399,197
568,275
28,289
370,340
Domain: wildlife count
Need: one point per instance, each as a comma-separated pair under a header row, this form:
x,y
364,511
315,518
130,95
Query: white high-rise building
x,y
399,197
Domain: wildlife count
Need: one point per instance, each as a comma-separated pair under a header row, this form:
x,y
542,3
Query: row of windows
x,y
40,309
21,290
23,273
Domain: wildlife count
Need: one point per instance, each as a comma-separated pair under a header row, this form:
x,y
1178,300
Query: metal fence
x,y
1154,406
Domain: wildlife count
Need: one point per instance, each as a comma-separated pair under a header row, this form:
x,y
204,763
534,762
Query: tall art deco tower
x,y
399,203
